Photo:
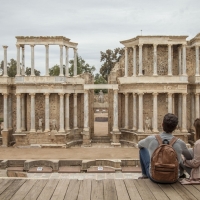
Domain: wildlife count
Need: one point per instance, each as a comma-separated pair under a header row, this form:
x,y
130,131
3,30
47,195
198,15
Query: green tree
x,y
98,79
82,66
55,70
12,68
28,72
109,58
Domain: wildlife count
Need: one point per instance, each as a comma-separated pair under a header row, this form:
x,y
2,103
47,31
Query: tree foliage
x,y
82,66
28,72
98,79
109,58
55,70
12,68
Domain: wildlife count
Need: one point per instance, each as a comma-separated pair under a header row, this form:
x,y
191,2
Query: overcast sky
x,y
96,25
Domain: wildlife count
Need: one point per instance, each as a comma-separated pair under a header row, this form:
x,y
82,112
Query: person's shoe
x,y
182,176
143,177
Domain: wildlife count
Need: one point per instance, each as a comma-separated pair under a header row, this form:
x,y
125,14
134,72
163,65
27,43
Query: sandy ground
x,y
71,153
100,128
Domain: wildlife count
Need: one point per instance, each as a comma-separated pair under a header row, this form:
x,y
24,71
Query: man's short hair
x,y
170,122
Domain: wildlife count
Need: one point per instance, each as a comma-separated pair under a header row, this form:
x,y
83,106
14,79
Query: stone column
x,y
10,111
155,73
179,110
75,111
67,127
47,128
184,60
197,105
62,130
197,60
23,112
86,111
5,61
134,61
134,112
32,61
140,60
169,102
23,60
67,61
115,111
155,112
18,115
32,112
126,110
18,60
173,103
179,61
140,129
61,61
192,113
172,56
47,60
184,113
169,60
5,112
75,62
126,62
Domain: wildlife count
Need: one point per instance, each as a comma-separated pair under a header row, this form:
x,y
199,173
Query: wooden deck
x,y
110,189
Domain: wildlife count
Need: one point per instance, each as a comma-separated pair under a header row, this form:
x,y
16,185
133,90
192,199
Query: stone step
x,y
101,139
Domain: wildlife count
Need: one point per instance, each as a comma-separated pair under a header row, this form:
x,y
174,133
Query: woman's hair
x,y
197,128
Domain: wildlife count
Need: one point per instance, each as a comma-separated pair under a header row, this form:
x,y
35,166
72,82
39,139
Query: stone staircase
x,y
100,139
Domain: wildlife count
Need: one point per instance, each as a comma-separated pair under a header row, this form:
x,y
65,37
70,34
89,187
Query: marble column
x,y
47,60
169,102
140,60
126,62
126,110
184,60
32,61
179,61
75,111
197,60
23,60
180,110
75,62
134,112
23,112
172,57
47,127
32,112
5,112
134,61
67,61
193,109
86,111
67,126
18,114
155,112
140,128
61,130
61,61
115,111
155,73
169,60
184,113
18,60
5,61
173,103
197,105
10,111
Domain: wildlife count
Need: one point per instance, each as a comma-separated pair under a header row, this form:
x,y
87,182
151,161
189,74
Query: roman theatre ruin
x,y
156,75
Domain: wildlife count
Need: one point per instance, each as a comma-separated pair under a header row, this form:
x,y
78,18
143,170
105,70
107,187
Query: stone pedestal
x,y
86,138
5,138
115,138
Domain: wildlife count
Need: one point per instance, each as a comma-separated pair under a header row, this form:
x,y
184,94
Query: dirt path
x,y
71,153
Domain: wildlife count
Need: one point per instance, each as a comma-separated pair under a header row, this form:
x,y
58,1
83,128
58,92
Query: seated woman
x,y
193,166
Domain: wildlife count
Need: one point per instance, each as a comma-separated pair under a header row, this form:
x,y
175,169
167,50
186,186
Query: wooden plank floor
x,y
108,189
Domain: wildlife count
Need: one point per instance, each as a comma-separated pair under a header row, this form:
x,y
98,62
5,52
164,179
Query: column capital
x,y
61,94
126,93
196,94
75,49
169,45
66,47
46,94
155,45
67,94
140,45
5,94
86,91
184,94
196,46
140,93
18,94
170,93
5,47
155,93
134,47
32,94
46,45
18,45
60,45
183,45
32,45
115,90
125,48
75,94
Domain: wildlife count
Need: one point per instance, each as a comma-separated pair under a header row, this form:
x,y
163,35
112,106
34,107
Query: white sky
x,y
96,25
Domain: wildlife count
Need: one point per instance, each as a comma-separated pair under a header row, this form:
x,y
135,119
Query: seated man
x,y
150,143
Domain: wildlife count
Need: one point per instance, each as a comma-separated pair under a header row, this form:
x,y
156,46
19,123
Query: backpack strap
x,y
173,140
159,139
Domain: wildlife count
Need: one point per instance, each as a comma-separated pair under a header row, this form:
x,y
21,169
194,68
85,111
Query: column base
x,y
155,74
32,75
75,128
169,74
126,127
134,129
32,131
155,131
61,131
184,131
47,130
140,131
140,74
115,137
5,75
61,74
18,131
115,144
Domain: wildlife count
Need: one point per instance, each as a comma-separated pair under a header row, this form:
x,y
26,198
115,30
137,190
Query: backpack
x,y
164,162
